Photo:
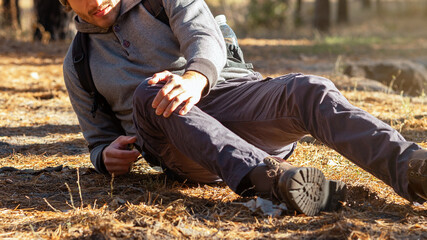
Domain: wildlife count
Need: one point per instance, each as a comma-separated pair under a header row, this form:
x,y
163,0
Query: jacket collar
x,y
85,27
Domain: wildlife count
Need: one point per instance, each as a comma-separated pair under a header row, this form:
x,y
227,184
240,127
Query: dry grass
x,y
38,129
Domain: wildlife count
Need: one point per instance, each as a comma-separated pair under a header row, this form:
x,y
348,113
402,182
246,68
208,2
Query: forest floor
x,y
49,190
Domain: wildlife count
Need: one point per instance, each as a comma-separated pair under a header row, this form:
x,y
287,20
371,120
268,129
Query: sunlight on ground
x,y
38,129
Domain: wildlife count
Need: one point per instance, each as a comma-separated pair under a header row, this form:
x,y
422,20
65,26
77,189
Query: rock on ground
x,y
401,75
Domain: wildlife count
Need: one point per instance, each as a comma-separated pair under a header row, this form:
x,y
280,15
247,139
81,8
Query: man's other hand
x,y
185,89
118,159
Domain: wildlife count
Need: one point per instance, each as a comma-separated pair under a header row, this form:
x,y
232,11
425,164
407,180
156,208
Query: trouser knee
x,y
314,94
143,97
309,87
312,100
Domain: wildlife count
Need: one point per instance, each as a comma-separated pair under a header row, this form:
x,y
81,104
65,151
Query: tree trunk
x,y
342,15
52,20
366,4
297,13
321,15
11,14
14,10
379,8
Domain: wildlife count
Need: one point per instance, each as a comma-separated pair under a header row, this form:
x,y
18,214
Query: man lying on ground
x,y
168,95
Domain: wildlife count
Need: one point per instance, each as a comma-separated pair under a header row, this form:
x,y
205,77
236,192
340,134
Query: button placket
x,y
126,43
116,28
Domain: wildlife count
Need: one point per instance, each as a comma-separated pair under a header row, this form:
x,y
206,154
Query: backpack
x,y
81,60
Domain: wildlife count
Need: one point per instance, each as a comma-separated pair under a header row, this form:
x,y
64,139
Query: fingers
x,y
172,101
168,92
173,105
117,159
187,107
158,77
176,91
170,96
124,154
186,98
118,166
122,142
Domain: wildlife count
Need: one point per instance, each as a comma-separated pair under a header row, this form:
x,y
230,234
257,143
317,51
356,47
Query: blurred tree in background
x,y
366,4
322,14
52,20
11,14
272,18
342,12
298,19
379,7
267,13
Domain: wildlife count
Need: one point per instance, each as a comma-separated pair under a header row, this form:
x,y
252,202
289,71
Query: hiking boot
x,y
337,191
304,189
417,173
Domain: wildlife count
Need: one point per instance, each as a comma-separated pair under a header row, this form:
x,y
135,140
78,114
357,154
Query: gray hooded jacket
x,y
132,50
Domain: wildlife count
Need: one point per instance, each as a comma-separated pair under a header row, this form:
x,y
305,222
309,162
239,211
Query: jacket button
x,y
116,28
126,43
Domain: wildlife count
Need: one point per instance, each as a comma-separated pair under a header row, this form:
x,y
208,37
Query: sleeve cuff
x,y
96,158
205,67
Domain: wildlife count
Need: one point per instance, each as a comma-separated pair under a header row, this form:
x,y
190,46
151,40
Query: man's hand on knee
x,y
118,159
185,89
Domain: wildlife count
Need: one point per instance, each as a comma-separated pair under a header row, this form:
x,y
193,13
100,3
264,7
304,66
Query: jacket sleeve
x,y
100,131
199,36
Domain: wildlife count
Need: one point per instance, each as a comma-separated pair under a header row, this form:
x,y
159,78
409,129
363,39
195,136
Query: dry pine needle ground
x,y
38,129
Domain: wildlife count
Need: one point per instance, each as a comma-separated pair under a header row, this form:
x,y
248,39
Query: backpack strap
x,y
80,55
235,57
234,64
155,8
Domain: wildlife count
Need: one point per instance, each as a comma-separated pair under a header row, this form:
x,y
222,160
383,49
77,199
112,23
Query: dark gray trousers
x,y
242,121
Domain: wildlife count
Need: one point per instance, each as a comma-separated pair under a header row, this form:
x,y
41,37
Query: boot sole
x,y
304,190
